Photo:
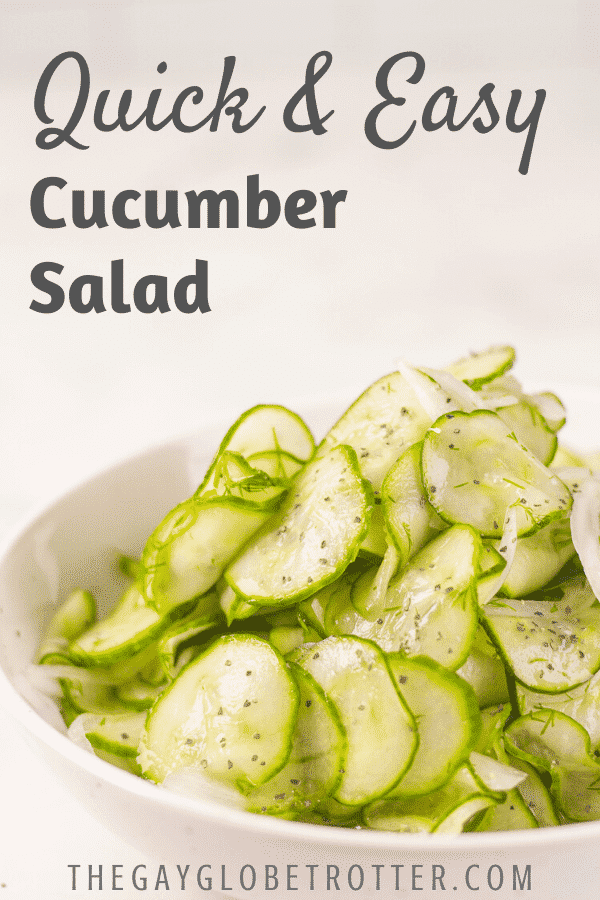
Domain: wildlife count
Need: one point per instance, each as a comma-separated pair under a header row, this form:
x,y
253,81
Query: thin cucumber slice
x,y
491,565
75,615
196,623
127,763
286,638
409,518
311,612
446,811
130,628
555,742
474,469
534,794
564,456
86,697
137,695
233,606
527,423
381,731
330,812
129,566
484,671
320,610
551,408
512,815
580,703
384,421
493,721
414,631
479,368
262,428
118,734
369,594
436,595
231,712
375,542
312,539
551,646
152,673
235,477
538,558
189,550
314,768
276,463
449,722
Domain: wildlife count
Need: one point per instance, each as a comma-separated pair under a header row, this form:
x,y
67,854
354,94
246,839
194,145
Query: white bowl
x,y
74,543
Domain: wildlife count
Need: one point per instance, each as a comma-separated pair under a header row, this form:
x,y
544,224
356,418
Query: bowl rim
x,y
256,825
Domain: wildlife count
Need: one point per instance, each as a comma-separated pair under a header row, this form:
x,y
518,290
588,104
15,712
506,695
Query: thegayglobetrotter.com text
x,y
278,879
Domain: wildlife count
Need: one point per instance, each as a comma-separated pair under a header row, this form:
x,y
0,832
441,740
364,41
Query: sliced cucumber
x,y
479,368
276,463
410,519
381,731
130,628
235,477
449,722
313,538
286,638
474,469
75,615
493,721
264,428
551,408
445,811
231,712
198,622
137,695
512,815
384,421
491,565
557,743
551,646
531,429
189,550
119,734
534,794
436,596
314,768
484,671
538,558
369,594
375,541
580,703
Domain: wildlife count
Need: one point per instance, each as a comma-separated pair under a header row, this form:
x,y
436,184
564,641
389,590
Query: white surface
x,y
441,247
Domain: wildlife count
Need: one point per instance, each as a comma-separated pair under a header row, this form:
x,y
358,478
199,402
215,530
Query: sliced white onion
x,y
376,598
43,704
192,783
45,678
496,776
78,728
585,530
462,395
430,395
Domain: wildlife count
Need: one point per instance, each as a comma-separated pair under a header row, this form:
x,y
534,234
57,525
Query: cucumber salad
x,y
397,629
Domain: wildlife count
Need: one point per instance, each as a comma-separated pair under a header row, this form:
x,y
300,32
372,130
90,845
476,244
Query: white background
x,y
441,247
